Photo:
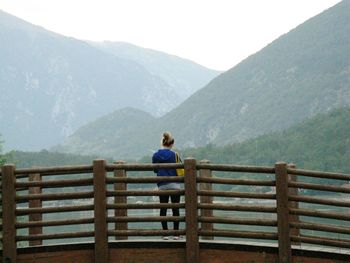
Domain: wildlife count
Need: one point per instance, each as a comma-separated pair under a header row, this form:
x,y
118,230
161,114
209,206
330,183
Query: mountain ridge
x,y
171,68
52,84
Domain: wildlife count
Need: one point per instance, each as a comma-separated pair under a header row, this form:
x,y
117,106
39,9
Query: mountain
x,y
184,76
121,131
50,85
300,74
319,143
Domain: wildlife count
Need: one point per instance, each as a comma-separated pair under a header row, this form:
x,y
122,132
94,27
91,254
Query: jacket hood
x,y
164,155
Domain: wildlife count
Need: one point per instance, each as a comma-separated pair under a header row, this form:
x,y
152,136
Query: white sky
x,y
217,34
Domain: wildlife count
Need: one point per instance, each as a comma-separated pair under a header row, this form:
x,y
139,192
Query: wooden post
x,y
206,200
120,200
284,245
37,216
192,244
100,211
9,214
294,204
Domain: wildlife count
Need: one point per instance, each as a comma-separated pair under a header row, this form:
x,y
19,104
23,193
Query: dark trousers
x,y
165,199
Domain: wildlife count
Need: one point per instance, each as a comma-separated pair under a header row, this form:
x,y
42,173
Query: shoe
x,y
177,237
165,238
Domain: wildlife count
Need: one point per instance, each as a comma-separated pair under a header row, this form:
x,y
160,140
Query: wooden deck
x,y
146,251
101,199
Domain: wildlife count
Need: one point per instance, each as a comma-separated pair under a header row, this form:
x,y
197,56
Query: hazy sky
x,y
214,33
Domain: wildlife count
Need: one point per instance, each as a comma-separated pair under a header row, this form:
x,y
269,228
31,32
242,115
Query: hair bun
x,y
166,135
167,139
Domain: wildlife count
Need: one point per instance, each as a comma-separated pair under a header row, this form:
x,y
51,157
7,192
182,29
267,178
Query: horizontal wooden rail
x,y
318,174
145,219
316,213
146,232
56,236
55,222
231,181
236,168
21,176
321,227
56,183
238,221
321,201
133,180
56,196
236,194
59,209
143,167
322,241
319,187
58,170
241,234
248,208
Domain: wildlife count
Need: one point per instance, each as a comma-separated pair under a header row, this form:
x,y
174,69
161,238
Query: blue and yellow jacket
x,y
164,156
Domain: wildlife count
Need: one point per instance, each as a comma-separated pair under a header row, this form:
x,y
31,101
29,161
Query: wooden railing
x,y
101,193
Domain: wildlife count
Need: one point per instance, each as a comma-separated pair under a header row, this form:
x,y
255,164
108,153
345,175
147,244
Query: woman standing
x,y
167,155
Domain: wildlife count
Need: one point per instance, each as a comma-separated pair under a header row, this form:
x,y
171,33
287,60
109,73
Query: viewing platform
x,y
109,213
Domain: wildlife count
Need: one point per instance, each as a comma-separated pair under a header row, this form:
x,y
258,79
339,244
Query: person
x,y
167,155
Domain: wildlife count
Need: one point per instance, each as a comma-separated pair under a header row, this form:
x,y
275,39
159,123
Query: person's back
x,y
165,156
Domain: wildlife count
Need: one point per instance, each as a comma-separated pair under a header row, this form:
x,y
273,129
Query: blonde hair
x,y
167,139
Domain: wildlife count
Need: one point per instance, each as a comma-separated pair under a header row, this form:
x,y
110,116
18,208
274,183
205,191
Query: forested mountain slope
x,y
320,143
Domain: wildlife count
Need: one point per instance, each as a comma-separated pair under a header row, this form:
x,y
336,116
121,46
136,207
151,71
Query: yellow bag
x,y
179,172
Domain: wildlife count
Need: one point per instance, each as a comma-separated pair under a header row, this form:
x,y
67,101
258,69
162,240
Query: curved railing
x,y
97,203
